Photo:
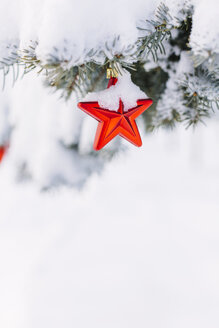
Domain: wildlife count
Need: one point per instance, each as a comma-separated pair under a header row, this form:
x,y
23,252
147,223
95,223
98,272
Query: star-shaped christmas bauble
x,y
113,123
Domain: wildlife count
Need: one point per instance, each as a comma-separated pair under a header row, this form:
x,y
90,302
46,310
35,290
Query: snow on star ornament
x,y
116,114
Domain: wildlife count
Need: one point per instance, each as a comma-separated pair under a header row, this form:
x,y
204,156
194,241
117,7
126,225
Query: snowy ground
x,y
137,247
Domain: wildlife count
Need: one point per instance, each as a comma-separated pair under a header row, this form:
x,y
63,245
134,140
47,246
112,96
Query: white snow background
x,y
137,247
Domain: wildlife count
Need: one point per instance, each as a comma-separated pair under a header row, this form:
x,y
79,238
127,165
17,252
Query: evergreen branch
x,y
6,64
159,30
200,94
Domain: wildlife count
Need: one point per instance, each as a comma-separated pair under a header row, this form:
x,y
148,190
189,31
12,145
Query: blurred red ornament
x,y
2,152
113,123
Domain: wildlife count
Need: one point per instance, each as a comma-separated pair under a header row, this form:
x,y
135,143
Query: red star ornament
x,y
113,123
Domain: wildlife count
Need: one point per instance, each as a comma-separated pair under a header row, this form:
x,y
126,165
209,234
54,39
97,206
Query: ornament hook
x,y
111,72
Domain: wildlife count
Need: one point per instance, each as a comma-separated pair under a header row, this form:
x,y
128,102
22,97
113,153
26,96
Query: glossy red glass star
x,y
113,123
